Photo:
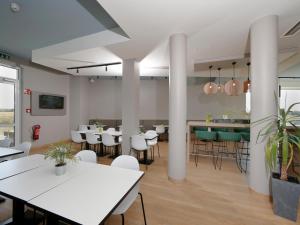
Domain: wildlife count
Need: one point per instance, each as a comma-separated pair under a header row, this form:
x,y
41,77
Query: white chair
x,y
83,127
87,156
138,144
76,138
111,129
128,162
5,143
160,129
109,142
93,127
25,147
92,140
152,140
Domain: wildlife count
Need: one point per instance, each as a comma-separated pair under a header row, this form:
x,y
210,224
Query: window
x,y
9,104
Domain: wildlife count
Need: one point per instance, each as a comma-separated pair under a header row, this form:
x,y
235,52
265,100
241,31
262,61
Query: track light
x,y
106,68
77,71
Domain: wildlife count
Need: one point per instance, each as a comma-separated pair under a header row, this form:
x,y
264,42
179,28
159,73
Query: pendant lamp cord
x,y
219,69
233,68
210,67
248,64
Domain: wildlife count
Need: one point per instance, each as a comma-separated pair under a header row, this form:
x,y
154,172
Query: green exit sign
x,y
4,55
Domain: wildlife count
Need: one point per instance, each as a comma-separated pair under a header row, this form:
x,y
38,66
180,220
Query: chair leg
x,y
158,150
123,219
143,208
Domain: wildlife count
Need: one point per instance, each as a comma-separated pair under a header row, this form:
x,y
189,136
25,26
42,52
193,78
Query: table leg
x,y
18,212
2,199
145,160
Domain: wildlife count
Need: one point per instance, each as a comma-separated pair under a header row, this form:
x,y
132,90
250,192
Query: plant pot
x,y
60,169
285,197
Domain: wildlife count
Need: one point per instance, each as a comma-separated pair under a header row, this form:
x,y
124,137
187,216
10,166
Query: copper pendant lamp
x,y
233,87
210,87
247,83
220,87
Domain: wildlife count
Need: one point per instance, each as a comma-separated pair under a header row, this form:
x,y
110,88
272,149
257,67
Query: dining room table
x,y
86,194
7,152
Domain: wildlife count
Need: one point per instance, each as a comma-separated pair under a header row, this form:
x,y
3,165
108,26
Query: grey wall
x,y
53,128
79,101
105,101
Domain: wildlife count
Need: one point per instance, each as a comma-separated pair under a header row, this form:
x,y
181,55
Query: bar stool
x,y
205,138
224,138
196,140
243,154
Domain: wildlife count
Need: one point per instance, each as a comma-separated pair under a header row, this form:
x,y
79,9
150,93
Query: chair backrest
x,y
93,127
75,136
127,162
5,143
107,139
138,142
151,133
160,129
91,138
83,127
111,129
25,147
87,156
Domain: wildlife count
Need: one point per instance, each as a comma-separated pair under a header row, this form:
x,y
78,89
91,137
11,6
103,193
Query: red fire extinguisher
x,y
36,132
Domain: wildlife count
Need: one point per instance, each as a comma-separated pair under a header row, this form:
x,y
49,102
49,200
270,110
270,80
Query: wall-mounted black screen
x,y
51,102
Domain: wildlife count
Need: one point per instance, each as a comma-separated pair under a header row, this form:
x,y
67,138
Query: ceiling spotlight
x,y
77,71
106,68
15,7
92,80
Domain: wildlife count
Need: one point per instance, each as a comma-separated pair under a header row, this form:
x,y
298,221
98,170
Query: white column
x,y
177,107
264,83
130,102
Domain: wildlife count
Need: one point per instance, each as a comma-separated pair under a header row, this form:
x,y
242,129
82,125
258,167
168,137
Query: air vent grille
x,y
295,29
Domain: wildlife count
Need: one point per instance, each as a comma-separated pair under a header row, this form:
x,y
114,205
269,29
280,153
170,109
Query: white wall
x,y
78,101
105,101
53,128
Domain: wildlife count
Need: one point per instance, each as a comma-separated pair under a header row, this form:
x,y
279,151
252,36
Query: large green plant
x,y
282,142
60,153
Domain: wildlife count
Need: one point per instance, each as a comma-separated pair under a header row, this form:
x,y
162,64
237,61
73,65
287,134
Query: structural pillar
x,y
264,83
130,102
177,107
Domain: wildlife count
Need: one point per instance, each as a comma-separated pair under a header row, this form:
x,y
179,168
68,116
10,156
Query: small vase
x,y
60,169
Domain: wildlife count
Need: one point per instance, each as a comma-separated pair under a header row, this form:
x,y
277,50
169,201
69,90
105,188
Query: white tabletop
x,y
35,182
86,131
4,152
158,125
88,198
17,166
113,133
212,124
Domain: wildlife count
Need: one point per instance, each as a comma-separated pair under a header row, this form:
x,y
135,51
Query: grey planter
x,y
285,197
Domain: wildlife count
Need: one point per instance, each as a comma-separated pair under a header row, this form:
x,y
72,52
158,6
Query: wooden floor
x,y
207,197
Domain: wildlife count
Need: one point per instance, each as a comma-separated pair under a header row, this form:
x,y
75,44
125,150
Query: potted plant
x,y
280,150
60,153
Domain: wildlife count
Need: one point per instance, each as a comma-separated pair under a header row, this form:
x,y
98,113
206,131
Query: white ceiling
x,y
217,31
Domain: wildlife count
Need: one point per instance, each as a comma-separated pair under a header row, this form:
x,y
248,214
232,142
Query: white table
x,y
87,194
5,152
158,125
91,197
21,165
191,124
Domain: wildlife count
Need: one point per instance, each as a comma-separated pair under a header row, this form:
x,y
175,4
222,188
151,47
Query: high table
x,y
87,194
210,125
